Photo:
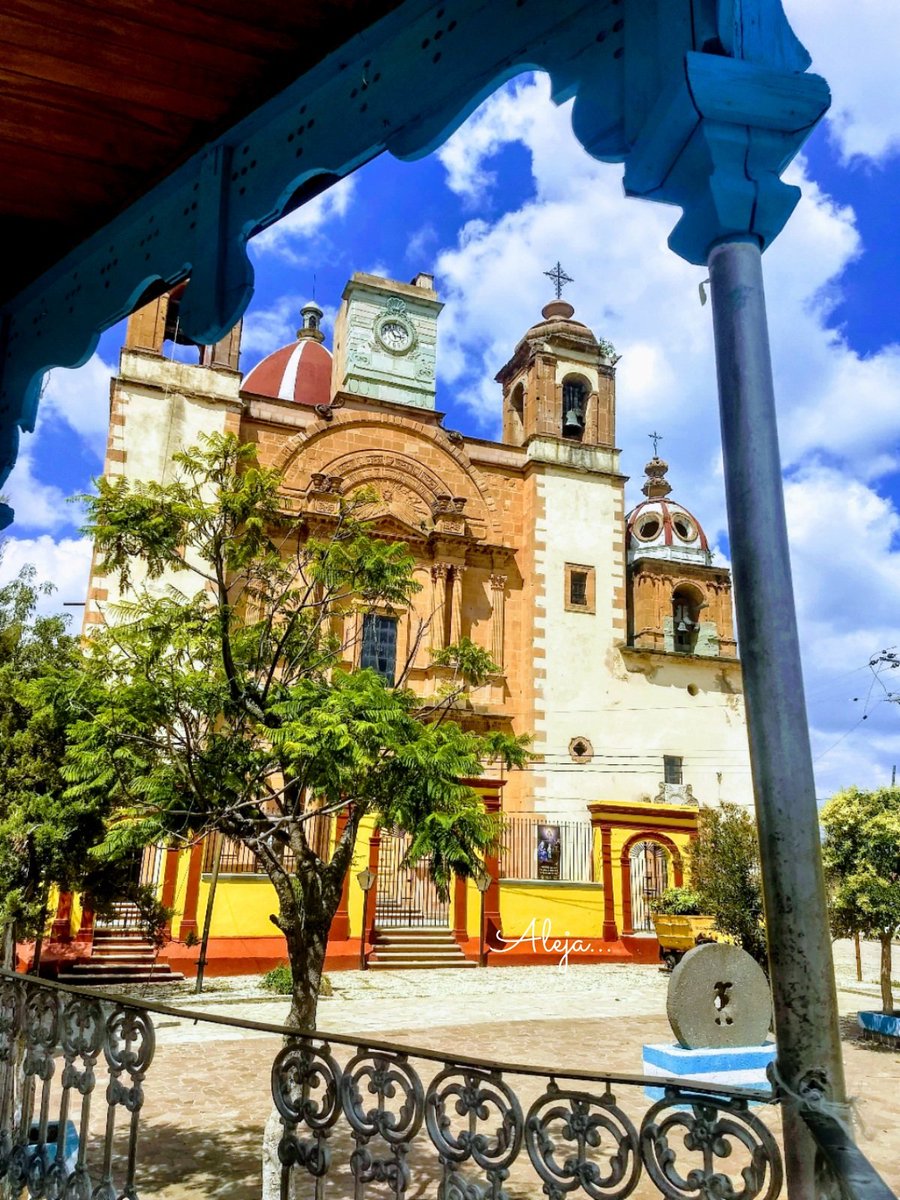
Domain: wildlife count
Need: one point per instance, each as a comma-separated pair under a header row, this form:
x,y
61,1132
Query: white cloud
x,y
839,414
36,505
66,564
289,239
857,48
80,398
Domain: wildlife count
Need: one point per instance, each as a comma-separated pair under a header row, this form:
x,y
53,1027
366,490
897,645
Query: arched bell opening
x,y
686,605
575,393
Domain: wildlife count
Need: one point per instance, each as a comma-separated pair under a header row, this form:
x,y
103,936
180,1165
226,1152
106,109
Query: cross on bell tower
x,y
559,277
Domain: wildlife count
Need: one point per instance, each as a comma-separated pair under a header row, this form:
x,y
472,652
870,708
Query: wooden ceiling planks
x,y
100,99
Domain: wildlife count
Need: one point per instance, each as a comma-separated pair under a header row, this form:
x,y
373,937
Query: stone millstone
x,y
719,997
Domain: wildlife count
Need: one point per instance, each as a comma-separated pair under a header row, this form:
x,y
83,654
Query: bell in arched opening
x,y
685,620
574,407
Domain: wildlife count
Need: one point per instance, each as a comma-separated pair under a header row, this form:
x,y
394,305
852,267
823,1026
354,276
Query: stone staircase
x,y
121,955
416,949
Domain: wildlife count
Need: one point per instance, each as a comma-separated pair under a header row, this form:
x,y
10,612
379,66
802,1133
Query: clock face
x,y
395,335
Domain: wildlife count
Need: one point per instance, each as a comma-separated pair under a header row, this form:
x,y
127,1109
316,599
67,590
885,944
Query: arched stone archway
x,y
645,835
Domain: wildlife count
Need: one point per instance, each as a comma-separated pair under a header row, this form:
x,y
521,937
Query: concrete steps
x,y
121,955
416,949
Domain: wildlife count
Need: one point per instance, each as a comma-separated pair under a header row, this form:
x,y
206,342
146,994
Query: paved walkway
x,y
208,1090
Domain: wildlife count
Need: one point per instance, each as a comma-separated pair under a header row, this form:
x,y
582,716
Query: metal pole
x,y
481,938
806,1020
207,916
362,937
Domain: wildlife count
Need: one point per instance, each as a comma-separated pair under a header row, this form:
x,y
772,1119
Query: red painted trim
x,y
192,891
610,932
461,910
170,879
61,929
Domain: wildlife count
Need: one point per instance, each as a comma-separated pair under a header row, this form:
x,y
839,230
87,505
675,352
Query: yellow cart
x,y
677,935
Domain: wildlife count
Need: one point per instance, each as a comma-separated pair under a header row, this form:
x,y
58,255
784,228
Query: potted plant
x,y
861,853
680,924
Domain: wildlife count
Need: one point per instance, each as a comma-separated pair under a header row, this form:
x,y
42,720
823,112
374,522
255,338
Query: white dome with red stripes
x,y
659,527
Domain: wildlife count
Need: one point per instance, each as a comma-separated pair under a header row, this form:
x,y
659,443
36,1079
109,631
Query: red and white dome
x,y
301,371
662,528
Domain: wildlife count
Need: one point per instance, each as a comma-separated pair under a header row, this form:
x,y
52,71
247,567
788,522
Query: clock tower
x,y
385,338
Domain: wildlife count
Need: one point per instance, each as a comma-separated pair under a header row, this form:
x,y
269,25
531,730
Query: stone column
x,y
627,928
456,604
498,618
170,878
493,927
192,891
340,922
85,933
439,575
610,932
61,929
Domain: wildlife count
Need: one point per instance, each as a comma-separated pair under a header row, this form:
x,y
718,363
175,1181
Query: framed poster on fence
x,y
548,848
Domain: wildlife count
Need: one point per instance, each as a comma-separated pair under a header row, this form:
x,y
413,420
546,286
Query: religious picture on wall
x,y
548,848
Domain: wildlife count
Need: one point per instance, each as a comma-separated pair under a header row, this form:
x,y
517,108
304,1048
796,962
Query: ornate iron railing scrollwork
x,y
491,1132
711,1128
371,1118
566,1134
305,1088
395,1117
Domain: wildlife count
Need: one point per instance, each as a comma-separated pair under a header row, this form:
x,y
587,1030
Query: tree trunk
x,y
887,994
306,955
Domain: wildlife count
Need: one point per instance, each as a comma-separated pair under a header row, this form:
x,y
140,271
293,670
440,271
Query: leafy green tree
x,y
46,840
222,695
861,854
725,872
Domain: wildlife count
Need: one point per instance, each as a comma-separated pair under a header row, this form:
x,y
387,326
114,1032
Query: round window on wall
x,y
648,527
684,527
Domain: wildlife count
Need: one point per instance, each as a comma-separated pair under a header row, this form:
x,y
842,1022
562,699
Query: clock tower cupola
x,y
385,339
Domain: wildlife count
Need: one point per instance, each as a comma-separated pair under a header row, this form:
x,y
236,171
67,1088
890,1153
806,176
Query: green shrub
x,y
278,980
678,902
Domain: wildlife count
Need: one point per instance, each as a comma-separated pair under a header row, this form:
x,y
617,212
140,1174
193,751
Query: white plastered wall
x,y
631,717
162,407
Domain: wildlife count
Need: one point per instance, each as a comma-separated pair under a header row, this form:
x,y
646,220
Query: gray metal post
x,y
806,1020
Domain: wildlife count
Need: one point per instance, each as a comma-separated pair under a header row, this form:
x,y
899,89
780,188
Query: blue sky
x,y
510,194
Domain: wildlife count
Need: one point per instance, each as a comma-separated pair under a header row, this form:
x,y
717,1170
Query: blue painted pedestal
x,y
884,1024
735,1066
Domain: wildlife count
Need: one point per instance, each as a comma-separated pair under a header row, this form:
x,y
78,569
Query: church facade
x,y
612,631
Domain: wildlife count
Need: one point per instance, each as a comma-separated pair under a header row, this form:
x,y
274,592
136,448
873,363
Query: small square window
x,y
672,769
580,584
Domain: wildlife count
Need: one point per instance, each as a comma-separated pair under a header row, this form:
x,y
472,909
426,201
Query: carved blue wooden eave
x,y
705,101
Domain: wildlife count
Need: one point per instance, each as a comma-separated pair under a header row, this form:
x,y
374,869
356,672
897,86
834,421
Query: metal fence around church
x,y
527,851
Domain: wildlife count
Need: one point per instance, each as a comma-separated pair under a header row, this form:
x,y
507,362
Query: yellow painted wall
x,y
244,903
572,909
627,819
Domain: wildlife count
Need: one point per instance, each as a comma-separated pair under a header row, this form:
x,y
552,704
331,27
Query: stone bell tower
x,y
559,408
560,384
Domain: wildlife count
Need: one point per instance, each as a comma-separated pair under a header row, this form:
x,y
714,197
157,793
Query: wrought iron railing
x,y
565,853
358,1114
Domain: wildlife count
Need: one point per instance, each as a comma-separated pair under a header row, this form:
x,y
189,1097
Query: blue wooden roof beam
x,y
705,101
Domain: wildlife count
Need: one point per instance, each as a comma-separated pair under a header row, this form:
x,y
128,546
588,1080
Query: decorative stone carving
x,y
718,996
